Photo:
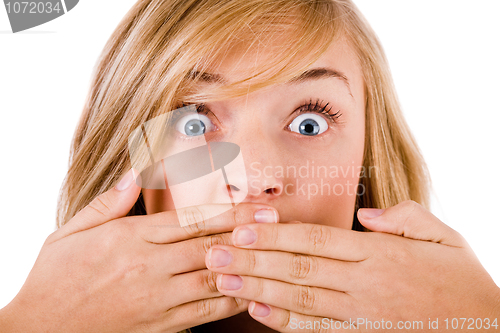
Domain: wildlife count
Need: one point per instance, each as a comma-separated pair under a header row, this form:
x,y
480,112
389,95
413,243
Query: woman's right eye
x,y
194,125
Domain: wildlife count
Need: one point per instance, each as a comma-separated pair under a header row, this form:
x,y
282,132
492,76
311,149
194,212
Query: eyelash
x,y
319,107
200,108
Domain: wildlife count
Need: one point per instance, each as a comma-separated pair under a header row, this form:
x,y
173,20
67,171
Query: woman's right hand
x,y
103,272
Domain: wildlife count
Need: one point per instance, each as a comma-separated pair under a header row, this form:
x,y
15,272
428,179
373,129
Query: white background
x,y
444,56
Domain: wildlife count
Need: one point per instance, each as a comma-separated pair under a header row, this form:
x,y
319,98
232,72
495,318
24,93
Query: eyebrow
x,y
308,75
321,73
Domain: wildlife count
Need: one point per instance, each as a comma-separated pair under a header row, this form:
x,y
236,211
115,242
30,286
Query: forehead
x,y
339,63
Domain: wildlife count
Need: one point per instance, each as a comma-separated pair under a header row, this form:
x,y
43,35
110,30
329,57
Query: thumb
x,y
107,206
410,220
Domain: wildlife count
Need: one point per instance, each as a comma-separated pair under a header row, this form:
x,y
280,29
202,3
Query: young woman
x,y
303,89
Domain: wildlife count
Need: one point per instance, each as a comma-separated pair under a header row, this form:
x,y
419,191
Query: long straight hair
x,y
152,59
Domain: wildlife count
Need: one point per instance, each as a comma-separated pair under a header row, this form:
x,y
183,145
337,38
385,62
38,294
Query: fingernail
x,y
229,282
244,236
220,258
266,216
259,309
371,213
126,181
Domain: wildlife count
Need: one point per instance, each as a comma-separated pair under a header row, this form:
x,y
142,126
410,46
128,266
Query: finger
x,y
306,238
197,285
189,255
165,227
283,266
107,206
411,220
285,321
302,299
203,311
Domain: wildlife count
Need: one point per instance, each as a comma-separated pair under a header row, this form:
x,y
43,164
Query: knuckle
x,y
195,229
259,290
319,237
115,233
193,220
285,321
274,236
101,204
409,208
317,328
300,266
305,298
401,255
210,282
251,261
212,240
240,302
206,308
237,216
411,205
123,228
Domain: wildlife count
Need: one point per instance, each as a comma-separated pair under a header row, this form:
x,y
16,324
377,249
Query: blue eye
x,y
194,125
308,124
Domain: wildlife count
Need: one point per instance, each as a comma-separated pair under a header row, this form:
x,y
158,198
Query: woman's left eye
x,y
194,125
308,124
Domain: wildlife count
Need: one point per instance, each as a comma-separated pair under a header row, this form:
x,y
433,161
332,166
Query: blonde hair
x,y
158,51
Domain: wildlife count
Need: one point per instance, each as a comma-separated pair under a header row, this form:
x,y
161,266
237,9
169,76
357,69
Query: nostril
x,y
270,191
232,188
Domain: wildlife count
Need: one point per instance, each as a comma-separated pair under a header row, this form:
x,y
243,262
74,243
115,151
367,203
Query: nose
x,y
264,185
260,182
250,128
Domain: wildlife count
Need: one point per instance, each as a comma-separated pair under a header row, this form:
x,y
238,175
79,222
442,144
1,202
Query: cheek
x,y
327,194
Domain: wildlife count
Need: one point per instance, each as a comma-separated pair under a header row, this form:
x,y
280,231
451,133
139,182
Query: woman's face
x,y
302,142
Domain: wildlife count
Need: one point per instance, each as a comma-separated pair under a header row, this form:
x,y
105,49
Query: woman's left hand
x,y
412,271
